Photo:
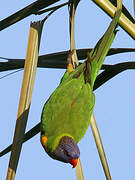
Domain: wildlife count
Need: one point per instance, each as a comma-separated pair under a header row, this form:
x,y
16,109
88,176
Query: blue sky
x,y
115,100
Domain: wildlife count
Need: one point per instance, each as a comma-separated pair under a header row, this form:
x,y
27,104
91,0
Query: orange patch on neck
x,y
44,141
70,67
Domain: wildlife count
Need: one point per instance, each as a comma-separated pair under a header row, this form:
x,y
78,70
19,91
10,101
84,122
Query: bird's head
x,y
63,149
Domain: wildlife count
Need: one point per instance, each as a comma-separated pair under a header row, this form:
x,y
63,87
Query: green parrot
x,y
66,114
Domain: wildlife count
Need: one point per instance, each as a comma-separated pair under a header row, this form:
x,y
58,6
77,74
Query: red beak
x,y
73,162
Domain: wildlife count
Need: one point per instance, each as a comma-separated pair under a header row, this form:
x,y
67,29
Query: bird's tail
x,y
96,57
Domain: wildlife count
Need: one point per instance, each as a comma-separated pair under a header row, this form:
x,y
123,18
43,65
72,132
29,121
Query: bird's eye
x,y
66,153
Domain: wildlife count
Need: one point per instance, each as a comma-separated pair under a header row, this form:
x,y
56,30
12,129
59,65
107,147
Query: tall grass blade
x,y
79,172
25,96
100,147
73,7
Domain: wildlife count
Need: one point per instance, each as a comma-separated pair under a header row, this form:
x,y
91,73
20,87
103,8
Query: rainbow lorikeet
x,y
67,113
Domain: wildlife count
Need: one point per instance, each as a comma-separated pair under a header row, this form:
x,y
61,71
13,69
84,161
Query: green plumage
x,y
68,110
